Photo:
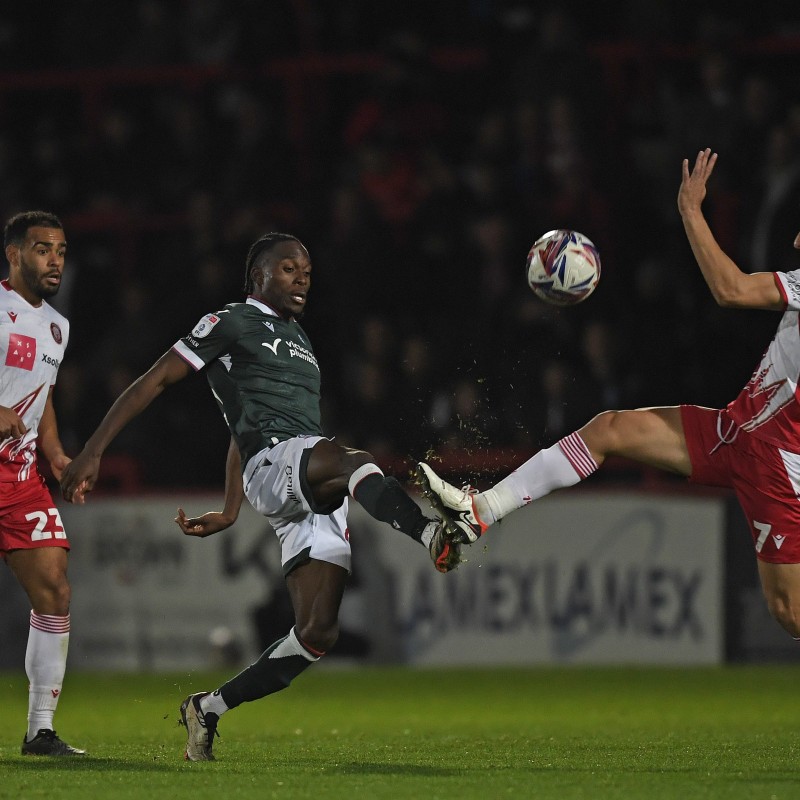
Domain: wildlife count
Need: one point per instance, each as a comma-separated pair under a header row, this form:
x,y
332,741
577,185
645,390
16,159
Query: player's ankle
x,y
483,507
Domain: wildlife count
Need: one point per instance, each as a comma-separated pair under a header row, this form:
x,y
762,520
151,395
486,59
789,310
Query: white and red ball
x,y
563,267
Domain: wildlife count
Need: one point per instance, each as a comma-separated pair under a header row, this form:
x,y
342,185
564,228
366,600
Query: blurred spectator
x,y
417,385
776,213
151,36
210,33
603,365
465,418
418,151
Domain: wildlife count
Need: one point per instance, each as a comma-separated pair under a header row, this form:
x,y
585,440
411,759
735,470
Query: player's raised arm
x,y
728,284
83,470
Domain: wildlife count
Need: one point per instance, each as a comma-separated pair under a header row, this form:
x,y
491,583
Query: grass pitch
x,y
394,733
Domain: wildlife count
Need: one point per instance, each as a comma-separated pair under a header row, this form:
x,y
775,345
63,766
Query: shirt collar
x,y
262,306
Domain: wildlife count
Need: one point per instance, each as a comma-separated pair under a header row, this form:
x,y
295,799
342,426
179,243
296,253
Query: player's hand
x,y
204,525
11,424
58,464
693,184
78,478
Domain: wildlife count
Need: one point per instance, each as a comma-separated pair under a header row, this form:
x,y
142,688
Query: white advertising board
x,y
147,597
579,577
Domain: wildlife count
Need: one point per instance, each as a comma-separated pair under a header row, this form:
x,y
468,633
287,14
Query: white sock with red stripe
x,y
564,464
45,664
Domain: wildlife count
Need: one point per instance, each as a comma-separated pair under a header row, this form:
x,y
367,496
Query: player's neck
x,y
19,286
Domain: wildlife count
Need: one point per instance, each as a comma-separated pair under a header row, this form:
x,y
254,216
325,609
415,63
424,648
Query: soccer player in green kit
x,y
266,380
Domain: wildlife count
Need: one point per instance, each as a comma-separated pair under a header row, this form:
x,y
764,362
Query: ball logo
x,y
56,331
203,328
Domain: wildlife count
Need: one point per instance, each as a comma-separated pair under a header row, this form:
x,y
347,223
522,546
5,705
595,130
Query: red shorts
x,y
28,517
765,478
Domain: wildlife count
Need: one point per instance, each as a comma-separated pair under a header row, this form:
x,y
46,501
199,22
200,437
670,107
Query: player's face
x,y
286,287
38,263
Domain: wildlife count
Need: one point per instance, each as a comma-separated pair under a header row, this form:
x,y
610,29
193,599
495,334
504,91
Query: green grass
x,y
395,733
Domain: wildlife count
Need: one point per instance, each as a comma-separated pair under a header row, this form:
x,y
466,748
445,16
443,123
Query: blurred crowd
x,y
418,151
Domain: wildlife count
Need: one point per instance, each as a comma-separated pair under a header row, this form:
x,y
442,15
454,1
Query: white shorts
x,y
275,484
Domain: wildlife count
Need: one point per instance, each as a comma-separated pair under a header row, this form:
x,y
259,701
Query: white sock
x,y
427,534
45,664
214,704
292,646
564,464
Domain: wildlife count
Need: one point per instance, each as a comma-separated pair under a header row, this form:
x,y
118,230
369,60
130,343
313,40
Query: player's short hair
x,y
16,227
258,252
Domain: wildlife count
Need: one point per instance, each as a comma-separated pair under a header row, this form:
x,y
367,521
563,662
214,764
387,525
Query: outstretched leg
x,y
652,436
334,471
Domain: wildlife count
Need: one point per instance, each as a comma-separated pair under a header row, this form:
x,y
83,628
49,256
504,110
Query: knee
x,y
318,635
786,610
52,598
606,423
601,432
353,459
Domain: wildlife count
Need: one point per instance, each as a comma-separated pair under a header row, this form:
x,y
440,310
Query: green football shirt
x,y
262,372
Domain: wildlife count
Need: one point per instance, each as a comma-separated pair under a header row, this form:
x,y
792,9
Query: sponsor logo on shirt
x,y
297,351
273,347
21,351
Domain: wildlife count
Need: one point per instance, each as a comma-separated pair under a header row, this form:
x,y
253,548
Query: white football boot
x,y
457,506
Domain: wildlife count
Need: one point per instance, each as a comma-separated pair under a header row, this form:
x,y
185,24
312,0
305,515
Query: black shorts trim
x,y
303,556
305,488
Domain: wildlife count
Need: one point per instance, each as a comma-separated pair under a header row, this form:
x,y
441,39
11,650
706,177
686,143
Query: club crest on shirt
x,y
203,328
56,331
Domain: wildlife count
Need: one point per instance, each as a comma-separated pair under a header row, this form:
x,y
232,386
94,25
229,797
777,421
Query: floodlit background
x,y
418,149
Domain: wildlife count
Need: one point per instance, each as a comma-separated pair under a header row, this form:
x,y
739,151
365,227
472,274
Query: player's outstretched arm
x,y
728,284
84,468
215,521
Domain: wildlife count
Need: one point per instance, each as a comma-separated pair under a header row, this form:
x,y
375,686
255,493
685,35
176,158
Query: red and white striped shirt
x,y
769,407
32,344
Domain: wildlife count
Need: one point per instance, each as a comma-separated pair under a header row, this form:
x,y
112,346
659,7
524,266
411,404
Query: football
x,y
563,267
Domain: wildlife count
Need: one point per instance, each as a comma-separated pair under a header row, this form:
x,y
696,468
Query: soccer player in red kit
x,y
751,446
33,337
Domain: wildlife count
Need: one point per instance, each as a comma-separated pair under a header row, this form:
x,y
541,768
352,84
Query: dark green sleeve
x,y
211,338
